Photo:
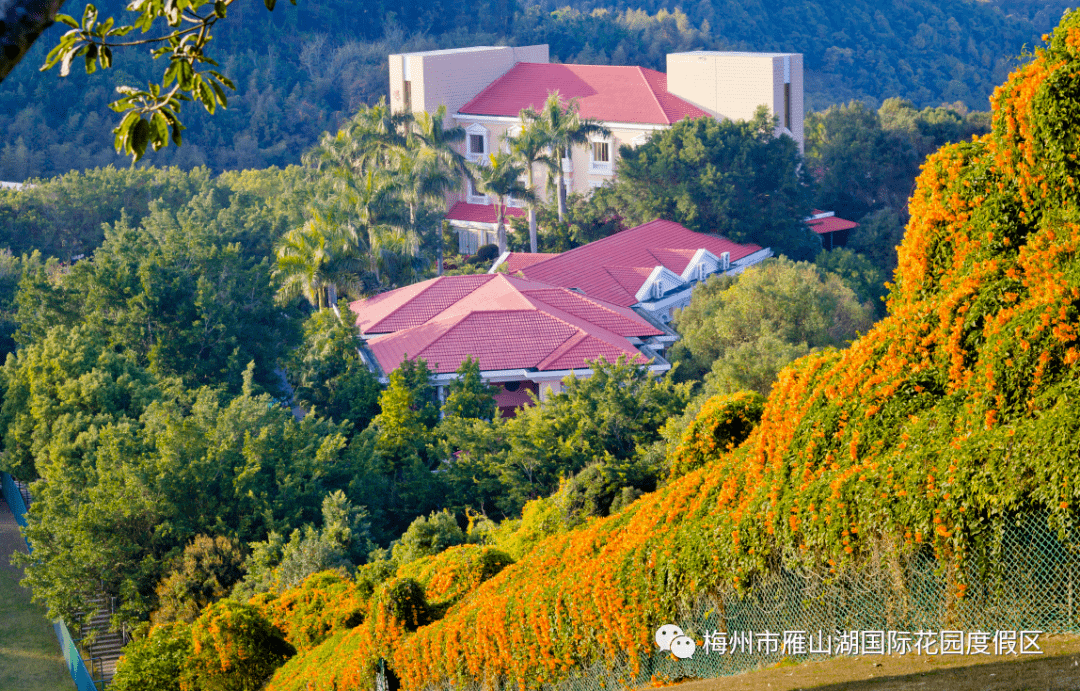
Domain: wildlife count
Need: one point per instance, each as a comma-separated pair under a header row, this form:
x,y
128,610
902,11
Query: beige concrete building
x,y
485,88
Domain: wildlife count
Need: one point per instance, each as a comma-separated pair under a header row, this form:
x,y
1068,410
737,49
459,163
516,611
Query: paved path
x,y
30,657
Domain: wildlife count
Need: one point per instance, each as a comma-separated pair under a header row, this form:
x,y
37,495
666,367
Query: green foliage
x,y
180,294
204,574
328,374
865,163
402,433
721,424
341,543
739,335
468,396
428,536
325,603
498,176
154,663
732,178
59,393
857,272
405,601
877,237
606,417
130,475
234,648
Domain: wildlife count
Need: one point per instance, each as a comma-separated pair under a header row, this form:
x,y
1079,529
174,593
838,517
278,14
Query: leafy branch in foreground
x,y
152,114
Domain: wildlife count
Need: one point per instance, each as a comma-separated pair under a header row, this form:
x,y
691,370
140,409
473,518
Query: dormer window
x,y
657,290
476,142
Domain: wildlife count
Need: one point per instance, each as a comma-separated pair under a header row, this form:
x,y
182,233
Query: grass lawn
x,y
30,658
1058,668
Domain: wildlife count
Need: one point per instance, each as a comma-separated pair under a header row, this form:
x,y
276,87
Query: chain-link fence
x,y
896,602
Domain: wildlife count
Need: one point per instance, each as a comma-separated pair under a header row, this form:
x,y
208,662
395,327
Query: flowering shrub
x,y
233,648
448,576
723,423
326,602
952,414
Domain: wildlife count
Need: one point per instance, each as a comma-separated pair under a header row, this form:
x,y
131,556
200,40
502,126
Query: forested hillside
x,y
303,70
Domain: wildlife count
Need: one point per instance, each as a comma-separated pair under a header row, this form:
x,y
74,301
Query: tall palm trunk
x,y
532,215
501,228
561,190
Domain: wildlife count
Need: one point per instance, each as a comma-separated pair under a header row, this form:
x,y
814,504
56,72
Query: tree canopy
x,y
731,178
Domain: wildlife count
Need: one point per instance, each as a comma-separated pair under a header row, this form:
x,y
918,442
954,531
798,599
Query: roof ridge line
x,y
652,93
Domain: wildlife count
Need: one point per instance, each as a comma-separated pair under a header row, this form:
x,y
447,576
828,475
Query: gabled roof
x,y
516,261
505,322
604,92
830,224
615,268
481,213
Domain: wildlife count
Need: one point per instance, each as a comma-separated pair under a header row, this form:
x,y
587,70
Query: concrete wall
x,y
581,176
733,85
453,77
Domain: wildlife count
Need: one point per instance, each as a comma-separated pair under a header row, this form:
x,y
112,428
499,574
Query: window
x,y
657,290
475,197
600,160
476,141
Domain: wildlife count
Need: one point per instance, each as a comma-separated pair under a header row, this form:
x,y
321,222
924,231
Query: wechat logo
x,y
670,638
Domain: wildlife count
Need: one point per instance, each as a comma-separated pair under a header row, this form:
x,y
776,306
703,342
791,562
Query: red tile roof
x,y
519,260
481,213
830,224
614,268
505,322
604,92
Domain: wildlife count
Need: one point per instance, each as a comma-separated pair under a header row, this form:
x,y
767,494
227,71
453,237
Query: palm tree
x,y
314,258
531,147
564,128
368,139
499,175
430,131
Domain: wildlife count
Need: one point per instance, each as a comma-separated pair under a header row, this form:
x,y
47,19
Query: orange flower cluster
x,y
326,603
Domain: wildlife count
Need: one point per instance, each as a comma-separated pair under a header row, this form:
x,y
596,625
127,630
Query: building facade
x,y
485,88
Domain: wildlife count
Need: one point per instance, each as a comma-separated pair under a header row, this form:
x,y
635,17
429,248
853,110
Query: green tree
x,y
156,661
737,335
858,273
468,396
530,146
562,127
341,543
428,536
234,648
329,376
176,293
402,433
122,492
733,178
499,176
314,260
612,416
203,574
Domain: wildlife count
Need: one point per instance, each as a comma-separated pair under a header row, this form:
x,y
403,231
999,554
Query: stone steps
x,y
104,650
